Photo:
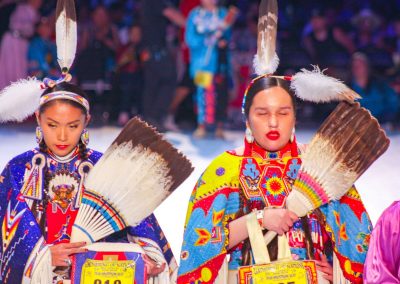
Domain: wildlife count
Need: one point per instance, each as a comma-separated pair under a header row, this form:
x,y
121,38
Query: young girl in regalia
x,y
41,189
257,179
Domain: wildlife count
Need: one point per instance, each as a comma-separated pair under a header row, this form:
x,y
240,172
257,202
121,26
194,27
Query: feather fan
x,y
66,33
345,145
315,86
20,99
266,60
136,173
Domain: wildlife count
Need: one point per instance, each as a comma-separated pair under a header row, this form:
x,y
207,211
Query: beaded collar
x,y
256,151
66,158
266,177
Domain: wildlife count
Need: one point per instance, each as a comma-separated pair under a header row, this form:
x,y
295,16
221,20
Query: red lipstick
x,y
62,147
273,135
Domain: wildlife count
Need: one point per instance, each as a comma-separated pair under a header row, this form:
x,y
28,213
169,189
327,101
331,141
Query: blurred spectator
x,y
367,24
42,52
369,39
14,44
102,32
207,36
159,66
7,7
244,47
326,45
393,41
377,95
185,85
128,81
96,61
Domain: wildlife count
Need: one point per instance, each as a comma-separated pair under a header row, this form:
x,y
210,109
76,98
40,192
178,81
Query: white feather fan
x,y
344,147
136,173
20,99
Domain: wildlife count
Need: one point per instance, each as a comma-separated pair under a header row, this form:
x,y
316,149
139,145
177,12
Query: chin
x,y
273,146
61,153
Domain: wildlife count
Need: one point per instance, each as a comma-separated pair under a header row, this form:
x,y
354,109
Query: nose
x,y
273,121
62,134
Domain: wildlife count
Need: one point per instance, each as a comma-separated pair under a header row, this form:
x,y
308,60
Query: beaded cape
x,y
25,232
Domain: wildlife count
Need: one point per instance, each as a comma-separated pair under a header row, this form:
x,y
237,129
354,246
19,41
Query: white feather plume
x,y
261,67
315,86
20,100
66,33
266,60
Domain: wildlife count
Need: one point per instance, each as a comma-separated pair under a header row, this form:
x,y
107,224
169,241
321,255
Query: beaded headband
x,y
66,96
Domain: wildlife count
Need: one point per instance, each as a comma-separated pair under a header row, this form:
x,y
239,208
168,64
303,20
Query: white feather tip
x,y
20,100
262,66
315,86
66,33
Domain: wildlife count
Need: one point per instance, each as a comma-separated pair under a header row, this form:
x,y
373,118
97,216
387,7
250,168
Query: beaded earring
x,y
85,137
39,135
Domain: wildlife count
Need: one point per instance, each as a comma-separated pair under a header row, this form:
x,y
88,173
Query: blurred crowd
x,y
154,57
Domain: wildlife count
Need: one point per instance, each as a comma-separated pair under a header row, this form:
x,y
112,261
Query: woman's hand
x,y
153,269
279,220
325,267
60,253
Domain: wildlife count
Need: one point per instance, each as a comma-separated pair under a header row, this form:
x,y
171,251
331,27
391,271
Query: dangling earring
x,y
292,136
85,137
39,135
249,135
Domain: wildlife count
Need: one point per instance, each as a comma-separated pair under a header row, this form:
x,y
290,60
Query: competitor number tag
x,y
285,272
108,272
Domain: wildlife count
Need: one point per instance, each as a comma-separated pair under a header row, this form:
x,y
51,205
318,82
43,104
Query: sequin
x,y
220,171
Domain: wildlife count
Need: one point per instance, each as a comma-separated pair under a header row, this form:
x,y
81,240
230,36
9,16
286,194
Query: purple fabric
x,y
383,258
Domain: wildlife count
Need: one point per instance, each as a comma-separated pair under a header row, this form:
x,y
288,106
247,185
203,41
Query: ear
x,y
247,124
88,118
37,115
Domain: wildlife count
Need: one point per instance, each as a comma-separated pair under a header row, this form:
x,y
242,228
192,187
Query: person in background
x,y
7,7
159,65
42,52
96,62
185,85
14,44
207,36
377,96
128,79
326,44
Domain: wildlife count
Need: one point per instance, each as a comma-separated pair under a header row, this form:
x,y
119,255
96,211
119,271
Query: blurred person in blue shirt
x,y
377,96
42,52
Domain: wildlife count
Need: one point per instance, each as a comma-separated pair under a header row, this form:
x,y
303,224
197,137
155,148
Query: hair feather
x,y
66,33
266,60
20,99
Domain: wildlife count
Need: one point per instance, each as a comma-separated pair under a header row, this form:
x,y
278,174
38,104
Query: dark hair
x,y
265,83
64,86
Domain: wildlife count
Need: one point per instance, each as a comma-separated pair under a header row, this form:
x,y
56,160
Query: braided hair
x,y
82,150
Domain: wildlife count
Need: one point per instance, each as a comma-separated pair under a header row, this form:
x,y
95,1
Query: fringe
x,y
43,270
